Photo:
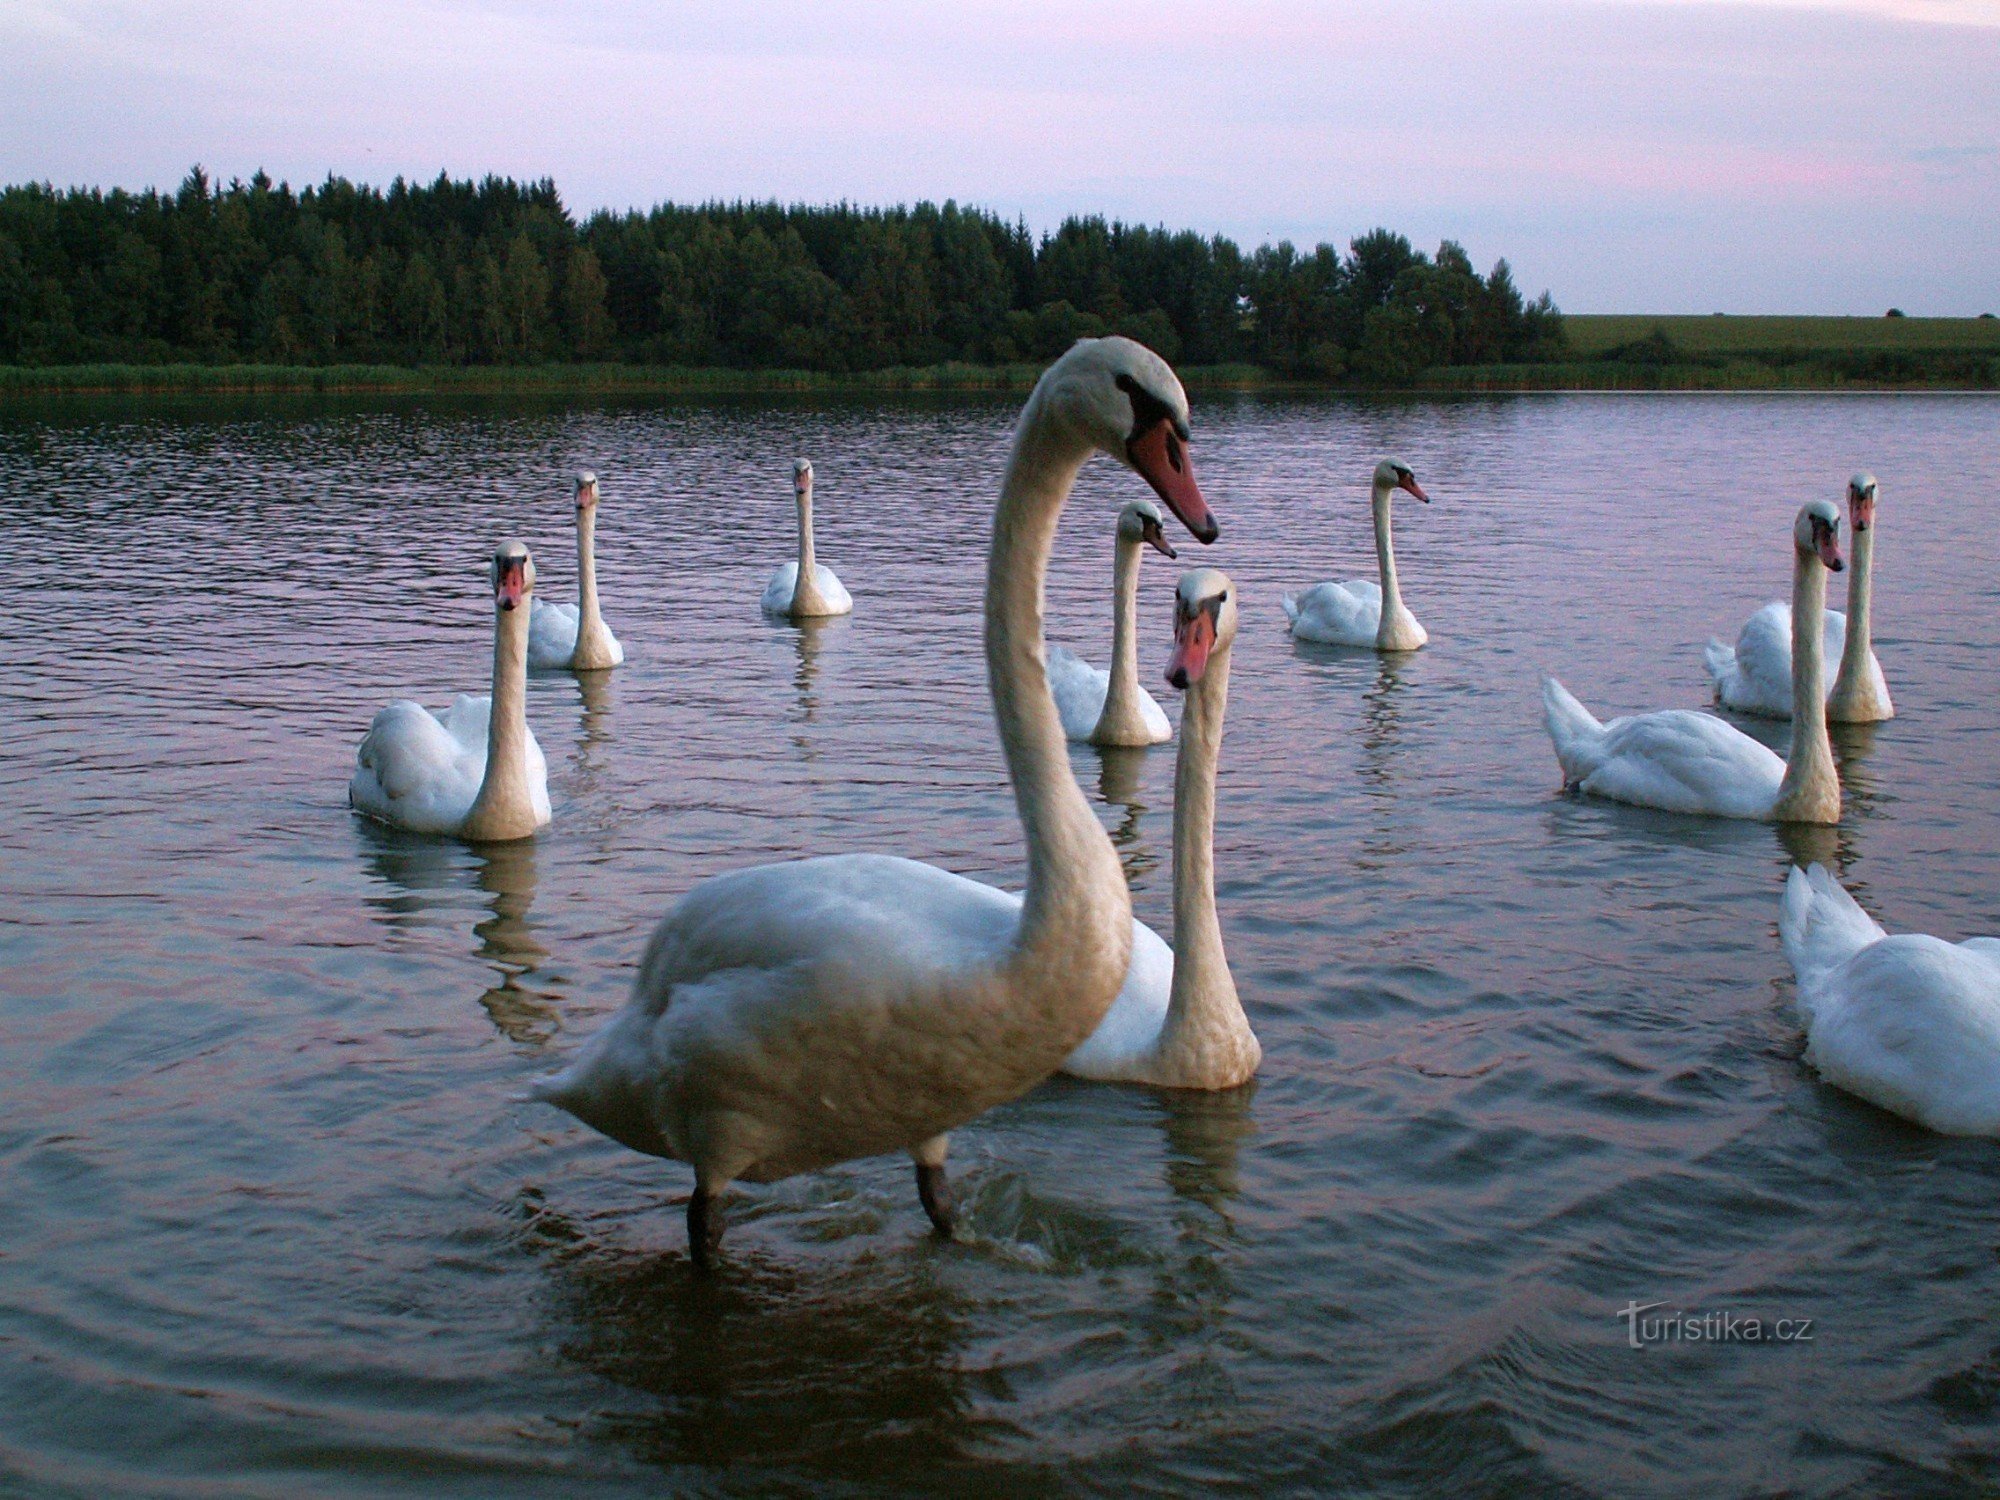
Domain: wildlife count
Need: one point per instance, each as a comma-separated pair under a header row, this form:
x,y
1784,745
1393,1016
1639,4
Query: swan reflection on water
x,y
1120,785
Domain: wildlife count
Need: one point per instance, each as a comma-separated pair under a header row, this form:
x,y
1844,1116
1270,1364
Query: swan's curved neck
x,y
504,808
593,645
1385,558
1075,938
1122,722
1855,652
1810,792
1206,1041
806,598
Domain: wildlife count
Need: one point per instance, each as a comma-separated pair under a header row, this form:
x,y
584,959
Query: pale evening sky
x,y
1629,155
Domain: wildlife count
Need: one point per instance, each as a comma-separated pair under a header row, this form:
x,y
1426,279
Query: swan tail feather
x,y
1720,660
1820,925
1572,727
1290,604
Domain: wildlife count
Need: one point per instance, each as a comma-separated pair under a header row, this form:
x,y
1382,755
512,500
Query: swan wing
x,y
1129,1035
1912,1023
1685,762
416,771
1755,677
1158,728
551,633
1080,690
831,589
1339,614
1821,927
778,592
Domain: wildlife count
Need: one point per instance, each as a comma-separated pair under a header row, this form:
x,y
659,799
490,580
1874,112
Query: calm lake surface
x,y
273,1220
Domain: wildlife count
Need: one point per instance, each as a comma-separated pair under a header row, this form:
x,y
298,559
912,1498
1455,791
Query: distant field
x,y
1591,334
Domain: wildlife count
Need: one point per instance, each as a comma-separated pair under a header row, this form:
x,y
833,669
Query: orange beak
x,y
1414,488
1194,638
511,587
1162,461
1829,548
1862,507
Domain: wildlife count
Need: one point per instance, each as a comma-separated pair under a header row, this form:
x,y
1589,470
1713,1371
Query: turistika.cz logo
x,y
1644,1326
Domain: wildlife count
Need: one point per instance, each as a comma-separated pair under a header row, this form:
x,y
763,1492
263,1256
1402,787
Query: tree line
x,y
499,273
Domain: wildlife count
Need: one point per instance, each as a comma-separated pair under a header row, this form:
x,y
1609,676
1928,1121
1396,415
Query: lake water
x,y
274,1222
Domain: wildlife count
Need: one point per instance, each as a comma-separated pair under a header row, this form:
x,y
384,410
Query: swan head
x,y
1861,501
586,490
513,575
1143,521
1394,474
1816,533
1204,624
1123,399
802,475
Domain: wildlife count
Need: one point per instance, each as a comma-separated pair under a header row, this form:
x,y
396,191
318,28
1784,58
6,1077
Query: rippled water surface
x,y
274,1221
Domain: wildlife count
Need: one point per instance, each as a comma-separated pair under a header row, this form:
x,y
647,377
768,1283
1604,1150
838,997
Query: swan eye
x,y
1148,412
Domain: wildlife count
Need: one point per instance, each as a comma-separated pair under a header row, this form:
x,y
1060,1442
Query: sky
x,y
1778,156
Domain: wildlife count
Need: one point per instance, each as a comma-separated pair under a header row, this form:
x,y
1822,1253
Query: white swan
x,y
575,635
790,1016
1755,676
1696,763
1177,1022
477,772
1354,613
1110,708
803,587
1910,1023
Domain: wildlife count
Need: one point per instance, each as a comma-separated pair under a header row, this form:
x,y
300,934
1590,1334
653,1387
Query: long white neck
x,y
1075,939
1854,687
504,808
1385,550
1122,722
1810,792
806,599
1206,1041
593,641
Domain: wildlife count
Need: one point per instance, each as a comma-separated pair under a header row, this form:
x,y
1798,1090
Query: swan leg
x,y
934,1191
704,1228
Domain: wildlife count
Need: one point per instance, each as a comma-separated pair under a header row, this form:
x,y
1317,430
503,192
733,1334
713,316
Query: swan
x,y
1910,1022
790,1016
1755,676
1110,708
1696,763
477,772
1177,1022
805,588
1353,613
575,635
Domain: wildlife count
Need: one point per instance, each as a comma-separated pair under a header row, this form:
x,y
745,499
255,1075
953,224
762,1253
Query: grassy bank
x,y
1606,352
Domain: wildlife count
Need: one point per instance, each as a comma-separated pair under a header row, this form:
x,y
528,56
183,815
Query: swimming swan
x,y
804,588
477,772
790,1016
1177,1022
1910,1022
1110,708
575,635
1352,613
1755,676
1696,763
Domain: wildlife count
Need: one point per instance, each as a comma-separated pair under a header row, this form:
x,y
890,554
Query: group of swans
x,y
791,1016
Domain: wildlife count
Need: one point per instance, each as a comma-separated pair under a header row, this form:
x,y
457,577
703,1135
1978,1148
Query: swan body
x,y
1755,676
1177,1021
804,588
1110,708
1695,763
1910,1023
476,772
1362,612
574,636
790,1016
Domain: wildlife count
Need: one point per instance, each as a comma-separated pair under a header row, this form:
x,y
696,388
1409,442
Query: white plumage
x,y
1910,1023
1080,690
1755,675
1336,614
784,584
1676,759
422,772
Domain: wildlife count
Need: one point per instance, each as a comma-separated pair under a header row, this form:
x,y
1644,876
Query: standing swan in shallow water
x,y
1110,708
477,772
790,1016
1177,1022
1910,1023
1362,612
575,635
1755,676
803,587
1695,763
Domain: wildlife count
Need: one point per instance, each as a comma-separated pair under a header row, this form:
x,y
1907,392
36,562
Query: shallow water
x,y
272,1220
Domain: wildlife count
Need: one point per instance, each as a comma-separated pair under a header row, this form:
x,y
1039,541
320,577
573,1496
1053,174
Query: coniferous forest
x,y
498,273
